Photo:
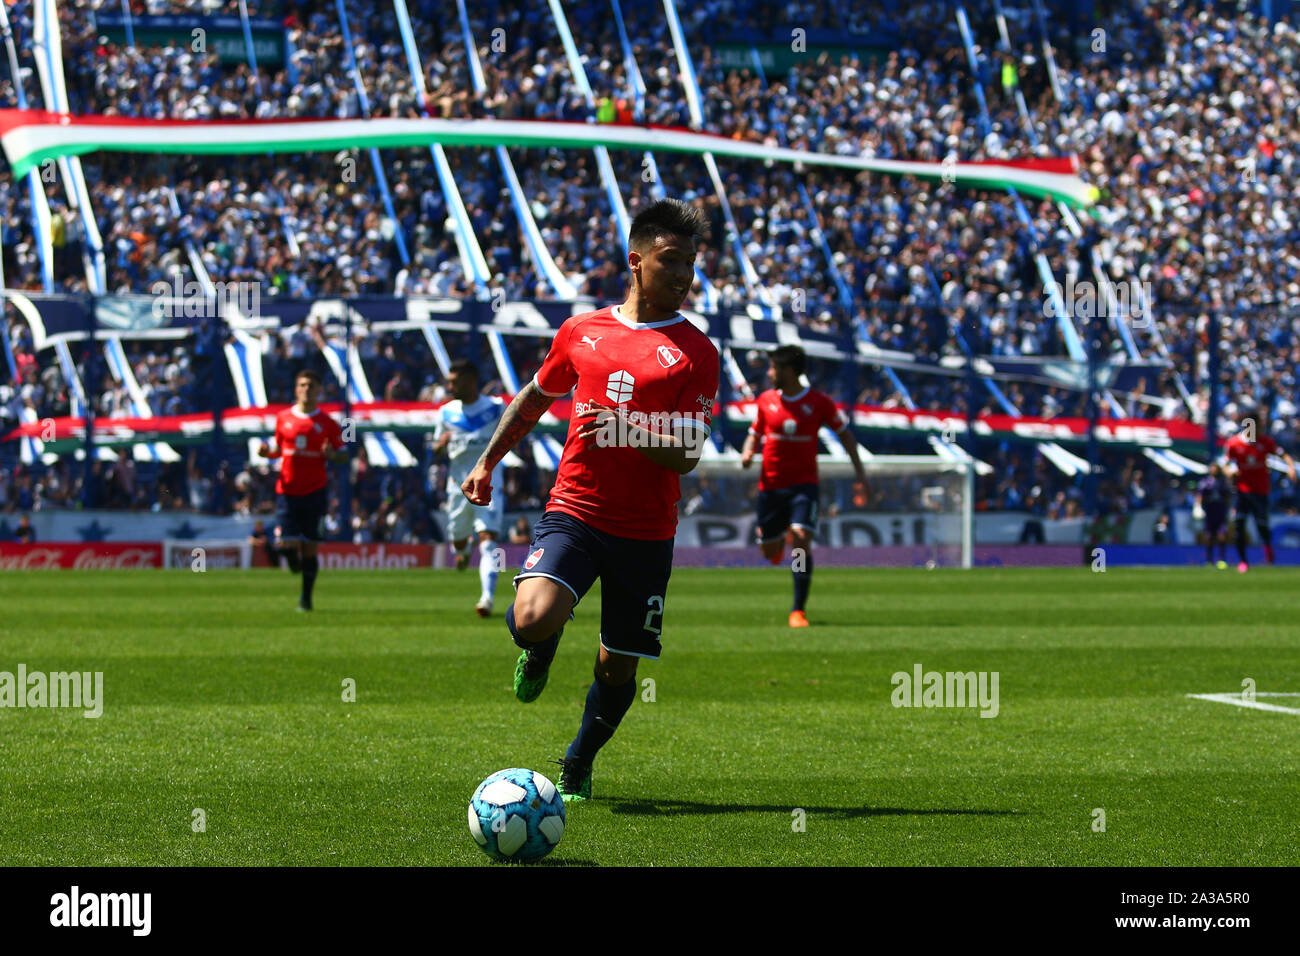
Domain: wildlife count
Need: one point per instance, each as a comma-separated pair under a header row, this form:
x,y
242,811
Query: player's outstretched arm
x,y
517,420
850,443
1290,464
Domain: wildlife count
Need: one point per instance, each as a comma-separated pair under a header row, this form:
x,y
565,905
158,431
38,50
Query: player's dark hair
x,y
463,366
790,356
667,217
309,374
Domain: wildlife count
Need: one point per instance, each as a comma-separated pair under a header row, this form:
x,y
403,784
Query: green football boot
x,y
575,779
531,674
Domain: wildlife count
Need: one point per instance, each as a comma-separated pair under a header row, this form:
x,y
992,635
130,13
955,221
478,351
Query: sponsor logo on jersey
x,y
619,386
668,357
534,558
588,340
705,403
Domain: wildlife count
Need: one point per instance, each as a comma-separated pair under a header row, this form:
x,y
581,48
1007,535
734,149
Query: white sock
x,y
488,567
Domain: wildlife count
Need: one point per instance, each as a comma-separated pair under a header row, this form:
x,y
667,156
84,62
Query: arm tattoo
x,y
516,421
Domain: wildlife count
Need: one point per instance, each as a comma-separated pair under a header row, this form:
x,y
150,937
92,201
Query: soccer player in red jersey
x,y
789,418
305,438
644,381
1247,453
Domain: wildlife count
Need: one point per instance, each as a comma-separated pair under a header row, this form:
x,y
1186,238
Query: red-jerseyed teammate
x,y
1248,452
305,438
645,382
789,417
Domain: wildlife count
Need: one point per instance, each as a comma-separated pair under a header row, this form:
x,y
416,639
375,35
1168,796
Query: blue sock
x,y
802,582
600,718
543,651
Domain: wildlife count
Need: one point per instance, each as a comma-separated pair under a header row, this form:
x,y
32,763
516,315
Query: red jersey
x,y
788,429
301,441
1251,459
662,375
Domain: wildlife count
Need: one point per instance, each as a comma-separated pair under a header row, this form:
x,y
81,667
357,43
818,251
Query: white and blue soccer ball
x,y
516,815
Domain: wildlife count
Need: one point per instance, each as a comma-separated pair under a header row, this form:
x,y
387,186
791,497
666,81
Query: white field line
x,y
1237,701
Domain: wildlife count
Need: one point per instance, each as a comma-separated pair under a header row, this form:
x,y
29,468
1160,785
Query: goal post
x,y
926,502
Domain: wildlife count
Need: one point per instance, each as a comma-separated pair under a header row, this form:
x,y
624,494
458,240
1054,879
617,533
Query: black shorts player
x,y
633,578
644,381
789,419
306,441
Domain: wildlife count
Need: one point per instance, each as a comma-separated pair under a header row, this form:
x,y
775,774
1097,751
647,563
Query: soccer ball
x,y
516,815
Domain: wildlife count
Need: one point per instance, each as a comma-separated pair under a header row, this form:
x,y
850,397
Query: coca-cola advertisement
x,y
78,556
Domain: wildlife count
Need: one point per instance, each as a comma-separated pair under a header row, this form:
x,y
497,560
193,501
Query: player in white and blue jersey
x,y
464,428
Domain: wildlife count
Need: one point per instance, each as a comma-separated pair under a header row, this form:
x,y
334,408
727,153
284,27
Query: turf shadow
x,y
671,808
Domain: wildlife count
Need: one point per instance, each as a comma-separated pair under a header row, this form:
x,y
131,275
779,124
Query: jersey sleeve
x,y
282,440
334,432
276,443
438,427
832,417
695,402
557,376
759,428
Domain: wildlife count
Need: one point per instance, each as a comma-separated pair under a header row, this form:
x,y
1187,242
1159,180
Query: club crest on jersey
x,y
300,441
534,558
668,357
789,425
807,409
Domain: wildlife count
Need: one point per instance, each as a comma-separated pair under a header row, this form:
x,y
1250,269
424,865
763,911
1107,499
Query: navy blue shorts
x,y
300,516
1251,504
633,578
787,508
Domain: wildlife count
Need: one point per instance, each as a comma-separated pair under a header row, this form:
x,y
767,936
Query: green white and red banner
x,y
61,435
30,137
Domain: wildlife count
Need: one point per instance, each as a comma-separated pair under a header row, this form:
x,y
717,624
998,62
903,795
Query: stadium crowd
x,y
1204,219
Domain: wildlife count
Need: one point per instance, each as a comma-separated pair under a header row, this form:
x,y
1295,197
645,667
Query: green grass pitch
x,y
220,697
